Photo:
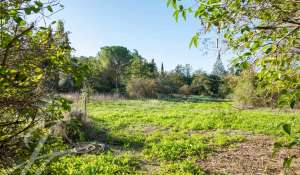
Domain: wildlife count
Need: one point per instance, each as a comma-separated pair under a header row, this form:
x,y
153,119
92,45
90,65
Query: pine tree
x,y
218,68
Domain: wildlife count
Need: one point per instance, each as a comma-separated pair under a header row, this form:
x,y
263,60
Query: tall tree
x,y
115,60
152,69
184,72
162,69
137,64
54,80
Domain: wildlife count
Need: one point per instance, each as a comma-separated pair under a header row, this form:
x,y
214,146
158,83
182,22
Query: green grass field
x,y
168,137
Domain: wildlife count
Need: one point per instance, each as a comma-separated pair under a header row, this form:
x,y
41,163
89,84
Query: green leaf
x,y
38,70
18,19
287,128
65,104
174,3
38,77
245,28
184,15
49,8
244,65
268,49
168,3
36,10
255,46
200,10
181,8
28,10
247,54
12,12
176,15
39,3
194,41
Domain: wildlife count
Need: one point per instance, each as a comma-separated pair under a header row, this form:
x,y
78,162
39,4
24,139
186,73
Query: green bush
x,y
142,88
170,83
245,91
249,94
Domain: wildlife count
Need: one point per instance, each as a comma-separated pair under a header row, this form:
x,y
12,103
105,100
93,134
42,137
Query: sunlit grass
x,y
167,136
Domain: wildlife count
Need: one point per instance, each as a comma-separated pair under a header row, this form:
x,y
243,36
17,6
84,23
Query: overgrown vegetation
x,y
31,56
148,120
162,137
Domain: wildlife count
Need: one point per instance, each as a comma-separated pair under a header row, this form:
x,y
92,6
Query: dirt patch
x,y
253,156
149,129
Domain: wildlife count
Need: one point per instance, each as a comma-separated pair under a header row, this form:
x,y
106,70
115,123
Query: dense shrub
x,y
138,88
227,86
249,94
75,128
200,84
245,91
170,83
185,90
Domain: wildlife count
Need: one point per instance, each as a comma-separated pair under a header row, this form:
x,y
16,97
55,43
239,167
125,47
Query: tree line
x,y
116,69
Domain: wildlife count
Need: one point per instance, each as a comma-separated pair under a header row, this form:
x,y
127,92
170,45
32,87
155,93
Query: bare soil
x,y
254,156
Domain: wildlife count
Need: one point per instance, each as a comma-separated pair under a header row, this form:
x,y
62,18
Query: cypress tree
x,y
162,71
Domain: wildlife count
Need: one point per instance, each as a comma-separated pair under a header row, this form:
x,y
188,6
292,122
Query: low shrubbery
x,y
248,94
142,88
185,90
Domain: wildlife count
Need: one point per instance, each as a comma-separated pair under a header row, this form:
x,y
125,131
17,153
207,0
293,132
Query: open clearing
x,y
170,137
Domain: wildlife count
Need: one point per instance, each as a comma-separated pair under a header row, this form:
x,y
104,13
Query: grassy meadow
x,y
169,136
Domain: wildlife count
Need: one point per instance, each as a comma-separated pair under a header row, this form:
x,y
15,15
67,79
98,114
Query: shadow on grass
x,y
191,98
98,132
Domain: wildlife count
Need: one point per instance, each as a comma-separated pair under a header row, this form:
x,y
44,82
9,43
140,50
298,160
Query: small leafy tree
x,y
115,60
139,67
29,55
245,93
201,83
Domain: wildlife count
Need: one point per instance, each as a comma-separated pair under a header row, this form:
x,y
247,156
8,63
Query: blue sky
x,y
145,25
